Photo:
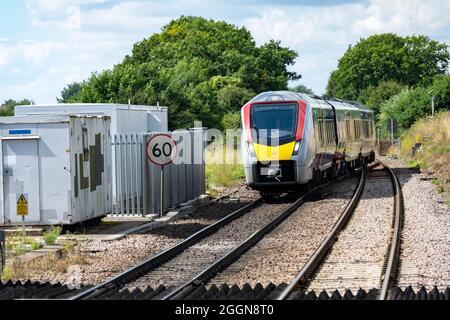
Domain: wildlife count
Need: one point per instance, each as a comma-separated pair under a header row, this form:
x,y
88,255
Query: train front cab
x,y
272,162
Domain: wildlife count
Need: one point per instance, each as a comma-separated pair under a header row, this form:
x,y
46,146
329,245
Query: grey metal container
x,y
125,120
61,163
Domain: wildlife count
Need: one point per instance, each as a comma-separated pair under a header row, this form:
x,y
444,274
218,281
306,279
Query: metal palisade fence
x,y
136,180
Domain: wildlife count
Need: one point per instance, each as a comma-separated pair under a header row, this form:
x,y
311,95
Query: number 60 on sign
x,y
161,149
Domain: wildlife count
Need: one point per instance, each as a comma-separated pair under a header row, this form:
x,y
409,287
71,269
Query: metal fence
x,y
136,181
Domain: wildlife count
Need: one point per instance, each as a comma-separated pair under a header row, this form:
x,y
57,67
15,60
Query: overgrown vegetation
x,y
52,235
219,175
434,155
201,69
51,264
413,104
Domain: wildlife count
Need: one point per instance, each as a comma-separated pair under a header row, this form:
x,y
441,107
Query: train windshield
x,y
274,123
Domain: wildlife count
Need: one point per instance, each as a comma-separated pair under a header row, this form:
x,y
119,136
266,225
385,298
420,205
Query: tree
x,y
302,89
7,107
412,104
374,97
407,60
70,91
201,69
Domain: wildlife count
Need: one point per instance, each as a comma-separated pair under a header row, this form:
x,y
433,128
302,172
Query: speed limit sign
x,y
161,149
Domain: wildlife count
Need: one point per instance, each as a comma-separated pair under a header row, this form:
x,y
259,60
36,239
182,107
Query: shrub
x,y
413,104
52,235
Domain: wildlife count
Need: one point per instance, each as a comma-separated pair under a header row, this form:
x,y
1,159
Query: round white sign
x,y
161,149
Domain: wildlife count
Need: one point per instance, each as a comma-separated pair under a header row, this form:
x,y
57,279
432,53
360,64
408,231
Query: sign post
x,y
161,150
22,210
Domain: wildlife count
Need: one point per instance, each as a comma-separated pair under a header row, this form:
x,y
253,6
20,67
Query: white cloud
x,y
126,15
77,37
322,34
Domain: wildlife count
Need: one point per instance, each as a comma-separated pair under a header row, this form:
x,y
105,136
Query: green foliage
x,y
52,235
407,60
201,69
70,91
7,274
231,120
375,96
7,107
218,174
36,245
412,104
302,89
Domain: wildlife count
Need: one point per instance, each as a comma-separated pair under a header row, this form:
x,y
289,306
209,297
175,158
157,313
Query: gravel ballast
x,y
356,259
198,257
279,255
425,248
100,260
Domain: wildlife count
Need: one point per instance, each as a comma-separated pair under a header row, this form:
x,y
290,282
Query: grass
x,y
52,235
16,246
434,156
51,264
223,168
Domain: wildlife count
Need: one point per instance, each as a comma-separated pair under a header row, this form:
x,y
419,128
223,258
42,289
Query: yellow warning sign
x,y
22,206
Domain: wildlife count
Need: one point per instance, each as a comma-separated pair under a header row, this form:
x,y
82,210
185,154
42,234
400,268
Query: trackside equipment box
x,y
125,119
56,169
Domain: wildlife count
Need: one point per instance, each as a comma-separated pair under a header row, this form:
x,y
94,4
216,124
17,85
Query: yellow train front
x,y
292,139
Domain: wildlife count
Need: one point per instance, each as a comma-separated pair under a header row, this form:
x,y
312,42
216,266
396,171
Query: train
x,y
291,139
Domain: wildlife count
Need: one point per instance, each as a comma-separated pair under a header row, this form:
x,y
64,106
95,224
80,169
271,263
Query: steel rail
x,y
393,257
314,261
160,258
188,288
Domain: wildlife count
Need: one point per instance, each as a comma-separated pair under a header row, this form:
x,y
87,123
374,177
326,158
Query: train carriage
x,y
294,139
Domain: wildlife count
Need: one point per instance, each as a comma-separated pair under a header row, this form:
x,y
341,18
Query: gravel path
x,y
356,259
425,255
198,257
279,256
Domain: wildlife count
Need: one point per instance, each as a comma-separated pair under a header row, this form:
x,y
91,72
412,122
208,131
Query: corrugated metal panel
x,y
43,162
138,179
125,120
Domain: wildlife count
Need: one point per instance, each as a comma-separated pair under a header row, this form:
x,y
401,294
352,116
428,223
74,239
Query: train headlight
x,y
251,149
296,148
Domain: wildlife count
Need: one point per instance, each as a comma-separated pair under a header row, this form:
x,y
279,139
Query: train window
x,y
321,136
275,121
348,129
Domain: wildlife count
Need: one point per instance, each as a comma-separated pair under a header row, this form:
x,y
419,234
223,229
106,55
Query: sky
x,y
46,44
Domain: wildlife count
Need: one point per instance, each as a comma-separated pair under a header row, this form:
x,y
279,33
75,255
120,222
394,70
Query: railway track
x,y
320,260
193,268
277,257
195,260
159,259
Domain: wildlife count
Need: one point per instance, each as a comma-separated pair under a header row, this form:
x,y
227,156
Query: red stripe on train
x,y
300,123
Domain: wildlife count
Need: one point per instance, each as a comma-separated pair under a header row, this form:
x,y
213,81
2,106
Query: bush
x,y
375,96
434,135
413,104
52,235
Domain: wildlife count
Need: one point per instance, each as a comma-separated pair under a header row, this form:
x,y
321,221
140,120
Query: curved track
x,y
199,269
303,279
184,267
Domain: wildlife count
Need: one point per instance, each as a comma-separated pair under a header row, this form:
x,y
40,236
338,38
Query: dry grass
x,y
434,156
46,267
223,168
